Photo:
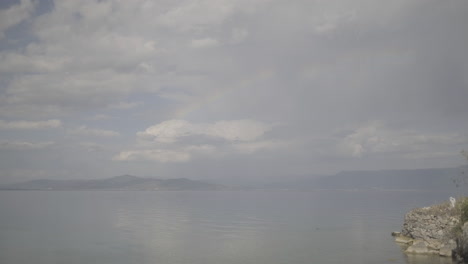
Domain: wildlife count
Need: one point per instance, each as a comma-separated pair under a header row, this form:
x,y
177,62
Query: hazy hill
x,y
124,182
418,179
422,179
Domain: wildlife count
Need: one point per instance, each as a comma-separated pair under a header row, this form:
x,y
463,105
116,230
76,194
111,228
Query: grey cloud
x,y
164,155
95,132
181,141
376,138
30,125
23,145
92,146
234,130
311,68
14,15
204,43
200,15
126,105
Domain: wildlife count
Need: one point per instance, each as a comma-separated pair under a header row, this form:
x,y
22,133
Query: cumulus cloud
x,y
238,35
237,130
252,147
92,89
94,132
13,62
202,14
160,155
125,105
204,43
80,59
24,145
100,117
172,141
30,125
167,155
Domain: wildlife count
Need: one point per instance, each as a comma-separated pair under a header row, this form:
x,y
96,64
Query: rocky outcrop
x,y
430,223
430,230
421,247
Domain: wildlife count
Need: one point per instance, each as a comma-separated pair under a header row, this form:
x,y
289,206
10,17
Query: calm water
x,y
121,227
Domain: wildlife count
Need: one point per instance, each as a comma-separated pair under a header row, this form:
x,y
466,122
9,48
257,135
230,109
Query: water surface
x,y
122,227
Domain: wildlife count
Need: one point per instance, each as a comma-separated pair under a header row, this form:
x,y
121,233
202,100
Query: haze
x,y
230,90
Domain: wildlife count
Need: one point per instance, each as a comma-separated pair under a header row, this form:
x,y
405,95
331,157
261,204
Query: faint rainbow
x,y
218,94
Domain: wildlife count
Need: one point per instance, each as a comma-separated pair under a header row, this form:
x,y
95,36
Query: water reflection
x,y
427,259
205,227
181,234
424,259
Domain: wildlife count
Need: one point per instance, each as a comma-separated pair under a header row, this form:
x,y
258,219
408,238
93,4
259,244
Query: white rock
x,y
403,239
452,202
446,251
420,247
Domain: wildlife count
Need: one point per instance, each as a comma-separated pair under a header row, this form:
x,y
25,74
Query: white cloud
x,y
13,62
126,105
325,27
77,59
86,131
159,155
95,54
252,147
202,14
183,154
30,125
331,21
204,43
238,35
431,155
197,14
14,15
24,145
236,130
100,117
375,137
164,142
92,146
85,54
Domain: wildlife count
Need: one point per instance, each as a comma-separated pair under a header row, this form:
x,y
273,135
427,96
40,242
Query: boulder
x,y
445,251
403,239
420,247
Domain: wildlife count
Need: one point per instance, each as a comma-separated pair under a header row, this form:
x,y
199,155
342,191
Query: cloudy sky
x,y
230,89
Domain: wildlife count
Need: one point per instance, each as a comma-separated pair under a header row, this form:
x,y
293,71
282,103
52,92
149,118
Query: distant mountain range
x,y
417,179
124,182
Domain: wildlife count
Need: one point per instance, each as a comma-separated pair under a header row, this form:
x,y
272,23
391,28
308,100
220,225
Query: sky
x,y
230,90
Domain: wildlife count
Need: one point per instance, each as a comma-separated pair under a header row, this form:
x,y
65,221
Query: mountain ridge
x,y
398,179
122,182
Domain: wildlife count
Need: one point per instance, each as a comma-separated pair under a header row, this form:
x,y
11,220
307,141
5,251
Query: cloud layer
x,y
30,125
236,130
181,141
222,88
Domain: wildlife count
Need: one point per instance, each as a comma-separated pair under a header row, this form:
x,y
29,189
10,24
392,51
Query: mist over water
x,y
158,95
207,227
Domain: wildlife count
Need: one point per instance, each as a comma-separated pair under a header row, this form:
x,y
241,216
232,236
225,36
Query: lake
x,y
225,227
